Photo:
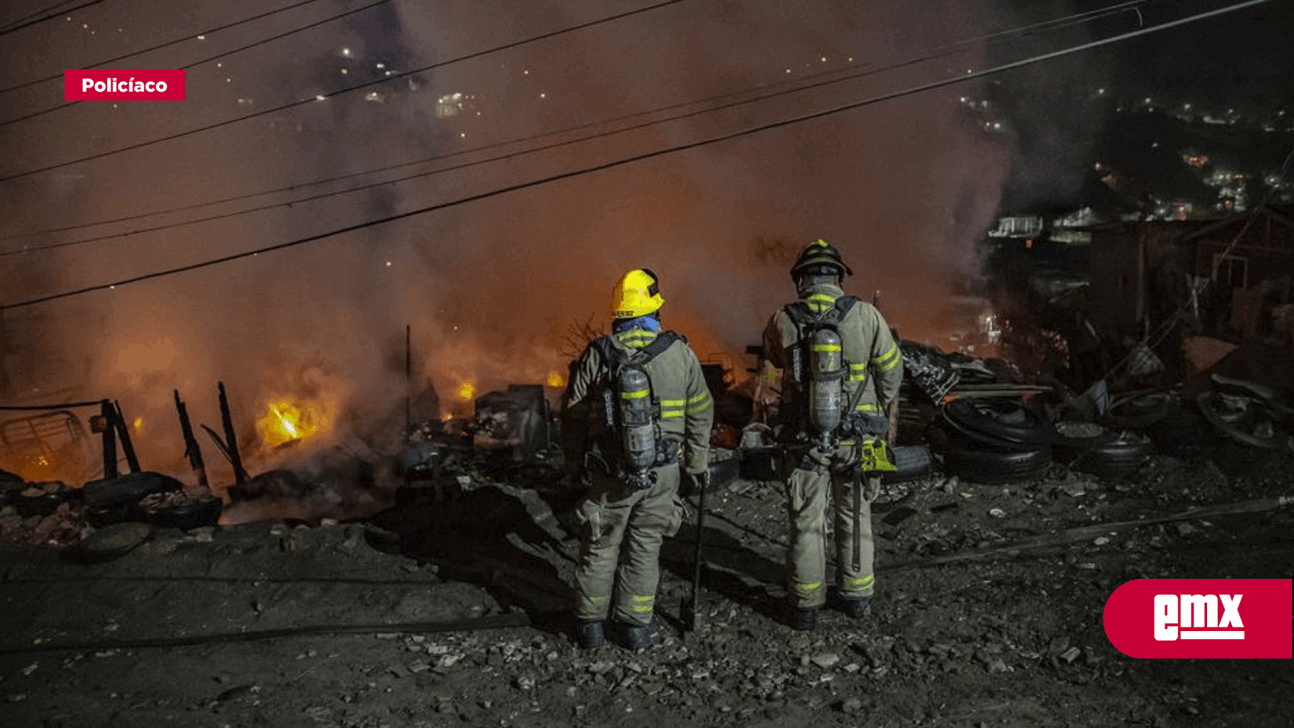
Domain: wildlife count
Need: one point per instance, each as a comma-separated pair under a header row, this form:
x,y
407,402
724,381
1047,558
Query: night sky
x,y
906,186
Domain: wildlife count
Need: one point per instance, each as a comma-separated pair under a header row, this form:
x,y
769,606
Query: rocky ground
x,y
988,613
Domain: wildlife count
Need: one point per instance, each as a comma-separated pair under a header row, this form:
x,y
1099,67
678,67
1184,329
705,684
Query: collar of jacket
x,y
817,296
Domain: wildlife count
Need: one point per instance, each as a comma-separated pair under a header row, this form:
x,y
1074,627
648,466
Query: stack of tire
x,y
1002,441
994,440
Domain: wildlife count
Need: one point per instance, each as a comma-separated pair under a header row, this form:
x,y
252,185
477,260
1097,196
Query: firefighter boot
x,y
803,620
589,634
856,608
638,636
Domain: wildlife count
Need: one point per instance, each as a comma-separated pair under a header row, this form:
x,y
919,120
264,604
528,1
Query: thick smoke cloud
x,y
491,288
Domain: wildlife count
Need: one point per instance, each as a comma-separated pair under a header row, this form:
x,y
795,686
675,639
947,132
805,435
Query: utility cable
x,y
35,13
393,77
1032,60
797,87
239,49
37,21
187,38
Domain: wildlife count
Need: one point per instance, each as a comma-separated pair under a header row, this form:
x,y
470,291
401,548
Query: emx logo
x,y
1193,618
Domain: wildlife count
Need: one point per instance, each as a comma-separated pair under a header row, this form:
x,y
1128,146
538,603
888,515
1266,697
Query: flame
x,y
466,390
139,422
447,416
286,421
556,380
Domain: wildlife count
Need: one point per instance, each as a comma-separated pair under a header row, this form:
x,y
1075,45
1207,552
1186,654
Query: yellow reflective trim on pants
x,y
671,415
673,402
642,598
808,588
634,395
641,608
859,582
858,377
868,408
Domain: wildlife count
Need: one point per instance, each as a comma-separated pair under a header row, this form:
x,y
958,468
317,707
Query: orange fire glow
x,y
286,421
556,380
139,422
466,391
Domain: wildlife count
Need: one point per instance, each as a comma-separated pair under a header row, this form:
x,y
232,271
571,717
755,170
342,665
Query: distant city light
x,y
345,52
202,37
319,97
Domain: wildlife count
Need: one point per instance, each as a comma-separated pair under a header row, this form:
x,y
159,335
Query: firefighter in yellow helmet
x,y
635,406
840,372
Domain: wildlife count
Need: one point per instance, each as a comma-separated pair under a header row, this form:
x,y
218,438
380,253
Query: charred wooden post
x,y
191,449
231,440
123,434
109,440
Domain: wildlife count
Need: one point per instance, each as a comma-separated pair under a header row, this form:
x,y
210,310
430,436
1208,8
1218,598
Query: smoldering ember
x,y
284,365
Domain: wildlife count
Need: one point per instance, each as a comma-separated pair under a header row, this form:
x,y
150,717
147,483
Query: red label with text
x,y
1201,618
121,84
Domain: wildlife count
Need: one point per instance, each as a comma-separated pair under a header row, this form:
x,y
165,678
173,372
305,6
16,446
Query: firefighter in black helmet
x,y
840,371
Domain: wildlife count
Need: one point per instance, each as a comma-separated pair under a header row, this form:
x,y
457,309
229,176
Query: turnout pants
x,y
813,492
621,531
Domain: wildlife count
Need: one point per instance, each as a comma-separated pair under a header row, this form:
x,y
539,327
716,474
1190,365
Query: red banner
x,y
121,84
1201,618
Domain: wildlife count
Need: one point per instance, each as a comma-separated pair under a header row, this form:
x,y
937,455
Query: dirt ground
x,y
432,614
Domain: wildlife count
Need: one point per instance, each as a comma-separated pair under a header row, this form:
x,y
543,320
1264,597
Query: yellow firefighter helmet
x,y
636,294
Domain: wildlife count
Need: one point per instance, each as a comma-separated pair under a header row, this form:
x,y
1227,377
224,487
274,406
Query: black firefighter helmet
x,y
820,258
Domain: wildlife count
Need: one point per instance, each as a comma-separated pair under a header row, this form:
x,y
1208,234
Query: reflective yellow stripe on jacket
x,y
888,360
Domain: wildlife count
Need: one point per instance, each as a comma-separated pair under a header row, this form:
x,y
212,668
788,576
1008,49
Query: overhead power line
x,y
51,16
186,39
35,13
392,77
1032,60
239,49
796,86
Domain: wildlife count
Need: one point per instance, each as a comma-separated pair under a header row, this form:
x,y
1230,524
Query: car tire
x,y
1243,419
911,462
1089,448
998,424
993,467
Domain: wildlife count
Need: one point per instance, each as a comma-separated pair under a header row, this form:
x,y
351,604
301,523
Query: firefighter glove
x,y
871,489
700,480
